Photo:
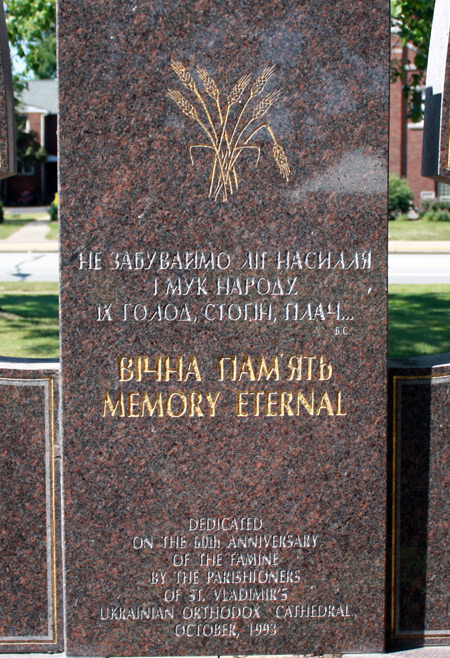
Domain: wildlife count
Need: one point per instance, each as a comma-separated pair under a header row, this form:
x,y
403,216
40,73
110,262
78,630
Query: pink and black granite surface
x,y
31,617
420,509
138,489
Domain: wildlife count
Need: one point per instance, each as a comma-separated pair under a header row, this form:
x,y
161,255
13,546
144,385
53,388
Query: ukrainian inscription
x,y
227,278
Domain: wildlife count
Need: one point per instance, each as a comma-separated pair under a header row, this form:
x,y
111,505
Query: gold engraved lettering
x,y
339,411
164,368
247,369
221,367
325,404
306,367
118,407
240,403
256,404
299,367
151,408
180,406
302,401
212,401
192,370
325,370
142,367
267,372
139,404
194,404
228,138
177,370
271,404
125,371
285,404
133,404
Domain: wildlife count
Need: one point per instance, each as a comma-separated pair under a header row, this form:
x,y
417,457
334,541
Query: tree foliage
x,y
45,62
32,33
412,21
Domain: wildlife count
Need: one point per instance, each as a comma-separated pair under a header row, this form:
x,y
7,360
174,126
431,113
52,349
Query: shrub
x,y
432,205
2,217
53,210
436,215
400,196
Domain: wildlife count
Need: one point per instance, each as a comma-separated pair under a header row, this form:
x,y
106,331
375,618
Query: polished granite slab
x,y
223,308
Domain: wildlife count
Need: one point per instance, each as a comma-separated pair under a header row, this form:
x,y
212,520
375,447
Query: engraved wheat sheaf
x,y
231,126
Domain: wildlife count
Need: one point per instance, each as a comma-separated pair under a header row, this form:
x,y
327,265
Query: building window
x,y
416,108
22,170
443,191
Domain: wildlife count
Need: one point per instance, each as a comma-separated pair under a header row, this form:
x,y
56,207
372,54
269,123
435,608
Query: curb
x,y
419,247
18,247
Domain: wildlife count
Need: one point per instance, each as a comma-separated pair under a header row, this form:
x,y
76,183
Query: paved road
x,y
28,267
419,268
403,268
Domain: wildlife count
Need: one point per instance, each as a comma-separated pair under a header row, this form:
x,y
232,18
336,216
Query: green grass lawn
x,y
29,324
29,327
419,230
53,231
419,320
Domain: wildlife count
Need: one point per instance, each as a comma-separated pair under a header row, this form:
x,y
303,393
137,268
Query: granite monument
x,y
31,617
419,565
223,307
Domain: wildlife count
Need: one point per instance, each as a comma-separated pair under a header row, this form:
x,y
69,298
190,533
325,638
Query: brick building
x,y
405,154
39,104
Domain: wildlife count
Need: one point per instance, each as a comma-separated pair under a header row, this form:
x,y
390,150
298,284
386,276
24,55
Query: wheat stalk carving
x,y
229,132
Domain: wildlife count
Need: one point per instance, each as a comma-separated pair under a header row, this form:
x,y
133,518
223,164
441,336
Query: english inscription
x,y
222,585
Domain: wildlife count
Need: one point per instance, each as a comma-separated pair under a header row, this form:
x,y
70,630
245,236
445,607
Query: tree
x,y
45,59
412,19
32,32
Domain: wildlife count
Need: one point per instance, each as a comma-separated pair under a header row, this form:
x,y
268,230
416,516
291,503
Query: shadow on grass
x,y
40,306
418,323
29,325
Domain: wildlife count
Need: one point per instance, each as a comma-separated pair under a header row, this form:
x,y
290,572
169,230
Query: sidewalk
x,y
30,237
417,247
